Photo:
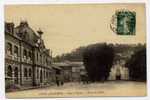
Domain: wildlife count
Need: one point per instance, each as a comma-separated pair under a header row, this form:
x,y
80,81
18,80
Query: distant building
x,y
78,69
119,68
66,70
71,70
27,60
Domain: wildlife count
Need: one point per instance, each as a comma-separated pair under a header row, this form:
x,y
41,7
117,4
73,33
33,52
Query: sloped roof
x,y
69,63
26,33
79,63
56,67
61,64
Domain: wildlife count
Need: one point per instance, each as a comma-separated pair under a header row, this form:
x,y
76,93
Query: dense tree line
x,y
98,59
76,54
137,65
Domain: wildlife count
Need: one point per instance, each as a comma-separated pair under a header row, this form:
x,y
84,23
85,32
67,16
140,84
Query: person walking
x,y
57,80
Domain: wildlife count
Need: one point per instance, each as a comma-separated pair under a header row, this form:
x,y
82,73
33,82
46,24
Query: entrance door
x,y
118,74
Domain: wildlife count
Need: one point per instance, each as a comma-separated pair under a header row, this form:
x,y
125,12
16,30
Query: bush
x,y
9,86
8,83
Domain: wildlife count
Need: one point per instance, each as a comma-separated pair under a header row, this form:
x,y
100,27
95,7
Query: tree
x,y
137,65
98,59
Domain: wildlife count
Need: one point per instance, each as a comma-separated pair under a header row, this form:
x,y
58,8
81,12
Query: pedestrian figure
x,y
84,78
118,74
61,80
57,80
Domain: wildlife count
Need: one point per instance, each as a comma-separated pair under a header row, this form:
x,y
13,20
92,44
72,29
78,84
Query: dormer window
x,y
23,23
9,28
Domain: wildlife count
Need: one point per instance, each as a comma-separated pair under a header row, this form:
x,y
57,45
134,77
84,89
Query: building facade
x,y
27,60
72,71
119,68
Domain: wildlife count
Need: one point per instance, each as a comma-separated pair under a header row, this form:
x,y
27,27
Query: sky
x,y
68,26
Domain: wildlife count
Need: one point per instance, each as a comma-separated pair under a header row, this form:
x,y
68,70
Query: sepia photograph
x,y
75,50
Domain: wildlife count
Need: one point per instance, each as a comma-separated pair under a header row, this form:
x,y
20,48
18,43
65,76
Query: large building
x,y
27,60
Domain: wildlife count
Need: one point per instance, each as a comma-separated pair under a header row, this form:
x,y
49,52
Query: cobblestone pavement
x,y
110,88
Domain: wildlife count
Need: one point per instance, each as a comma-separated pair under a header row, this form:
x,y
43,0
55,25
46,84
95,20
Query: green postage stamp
x,y
125,22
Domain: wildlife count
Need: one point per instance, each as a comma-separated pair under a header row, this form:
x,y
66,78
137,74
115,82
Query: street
x,y
109,88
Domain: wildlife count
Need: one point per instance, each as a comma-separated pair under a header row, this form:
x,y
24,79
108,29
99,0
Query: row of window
x,y
26,53
43,74
40,58
10,71
9,50
27,73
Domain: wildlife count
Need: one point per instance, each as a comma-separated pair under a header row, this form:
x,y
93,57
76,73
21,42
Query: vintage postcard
x,y
75,50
